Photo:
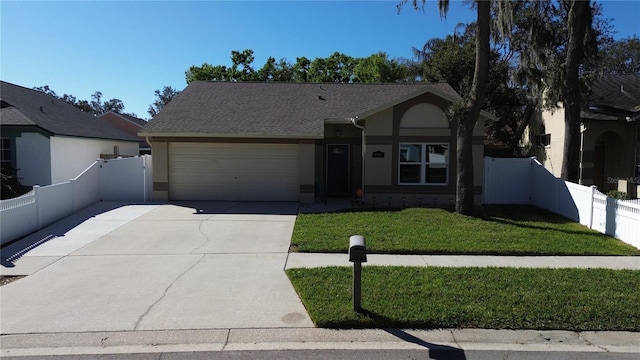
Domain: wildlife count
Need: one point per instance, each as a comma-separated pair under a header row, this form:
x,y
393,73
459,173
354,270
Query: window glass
x,y
410,153
423,164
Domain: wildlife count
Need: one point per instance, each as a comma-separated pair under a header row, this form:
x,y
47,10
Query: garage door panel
x,y
250,172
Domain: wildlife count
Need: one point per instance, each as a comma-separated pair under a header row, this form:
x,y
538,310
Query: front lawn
x,y
491,298
499,230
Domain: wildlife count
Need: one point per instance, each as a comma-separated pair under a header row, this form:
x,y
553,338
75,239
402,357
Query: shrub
x,y
620,195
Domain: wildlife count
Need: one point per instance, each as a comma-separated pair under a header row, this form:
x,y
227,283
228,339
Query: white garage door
x,y
244,172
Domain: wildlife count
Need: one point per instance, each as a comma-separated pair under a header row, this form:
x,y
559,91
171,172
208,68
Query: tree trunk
x,y
469,117
578,21
532,105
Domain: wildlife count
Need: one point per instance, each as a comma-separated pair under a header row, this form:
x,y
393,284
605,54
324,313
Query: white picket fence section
x,y
127,179
527,182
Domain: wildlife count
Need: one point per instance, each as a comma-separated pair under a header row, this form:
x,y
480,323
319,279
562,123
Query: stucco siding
x,y
306,176
380,124
160,153
552,153
33,159
424,132
70,156
378,170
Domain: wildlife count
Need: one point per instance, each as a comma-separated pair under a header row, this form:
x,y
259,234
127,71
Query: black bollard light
x,y
357,255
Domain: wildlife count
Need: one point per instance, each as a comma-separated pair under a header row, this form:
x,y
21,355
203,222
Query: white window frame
x,y
423,163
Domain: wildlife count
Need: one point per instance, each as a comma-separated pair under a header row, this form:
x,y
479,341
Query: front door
x,y
338,170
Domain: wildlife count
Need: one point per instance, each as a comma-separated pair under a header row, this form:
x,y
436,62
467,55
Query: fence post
x,y
591,202
100,191
36,190
531,182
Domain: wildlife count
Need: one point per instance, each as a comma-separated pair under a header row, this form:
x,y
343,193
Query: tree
x,y
337,67
452,60
620,57
206,72
556,42
579,21
96,106
378,68
467,112
162,99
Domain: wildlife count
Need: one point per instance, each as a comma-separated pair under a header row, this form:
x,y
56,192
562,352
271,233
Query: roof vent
x,y
320,97
41,109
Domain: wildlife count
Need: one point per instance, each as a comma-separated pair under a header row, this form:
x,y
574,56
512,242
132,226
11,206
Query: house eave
x,y
402,99
228,135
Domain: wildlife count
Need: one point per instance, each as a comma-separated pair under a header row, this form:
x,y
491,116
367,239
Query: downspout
x,y
364,150
148,190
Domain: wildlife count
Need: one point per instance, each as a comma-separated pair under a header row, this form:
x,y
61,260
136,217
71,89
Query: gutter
x,y
354,121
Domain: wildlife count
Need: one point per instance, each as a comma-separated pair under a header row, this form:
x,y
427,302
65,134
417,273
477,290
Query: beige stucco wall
x,y
551,155
306,166
378,170
380,124
381,138
160,153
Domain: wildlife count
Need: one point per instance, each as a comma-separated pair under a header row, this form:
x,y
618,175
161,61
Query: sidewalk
x,y
311,260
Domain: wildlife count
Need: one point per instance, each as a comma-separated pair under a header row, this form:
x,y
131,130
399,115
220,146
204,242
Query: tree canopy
x,y
337,67
95,106
162,99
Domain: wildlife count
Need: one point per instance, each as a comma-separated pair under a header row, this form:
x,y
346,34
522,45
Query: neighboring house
x,y
49,141
610,135
129,124
304,141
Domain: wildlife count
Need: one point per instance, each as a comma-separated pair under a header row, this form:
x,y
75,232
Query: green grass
x,y
500,230
491,298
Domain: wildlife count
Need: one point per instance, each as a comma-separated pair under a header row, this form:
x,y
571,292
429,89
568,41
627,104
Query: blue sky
x,y
128,49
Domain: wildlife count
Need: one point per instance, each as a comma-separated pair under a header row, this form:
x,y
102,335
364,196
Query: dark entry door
x,y
337,169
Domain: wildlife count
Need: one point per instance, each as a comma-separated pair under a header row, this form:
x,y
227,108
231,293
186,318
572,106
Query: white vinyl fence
x,y
127,179
527,182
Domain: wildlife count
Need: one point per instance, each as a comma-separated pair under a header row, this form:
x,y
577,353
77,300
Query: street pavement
x,y
208,276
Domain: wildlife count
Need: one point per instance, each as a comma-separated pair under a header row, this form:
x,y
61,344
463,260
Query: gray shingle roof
x,y
133,119
34,108
614,95
259,109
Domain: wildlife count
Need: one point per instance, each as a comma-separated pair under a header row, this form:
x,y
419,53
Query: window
x,y
5,152
423,164
543,139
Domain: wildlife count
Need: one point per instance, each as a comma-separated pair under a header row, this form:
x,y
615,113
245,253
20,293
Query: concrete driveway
x,y
192,265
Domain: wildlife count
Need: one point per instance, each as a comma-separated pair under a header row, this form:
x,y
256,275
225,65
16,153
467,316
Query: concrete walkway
x,y
208,276
304,260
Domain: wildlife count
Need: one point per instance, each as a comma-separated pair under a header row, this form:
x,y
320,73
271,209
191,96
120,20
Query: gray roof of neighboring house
x,y
27,107
614,96
133,119
277,109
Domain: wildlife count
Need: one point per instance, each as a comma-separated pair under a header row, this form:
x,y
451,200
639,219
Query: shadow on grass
x,y
436,351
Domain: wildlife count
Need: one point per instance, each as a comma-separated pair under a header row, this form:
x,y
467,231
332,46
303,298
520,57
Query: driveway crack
x,y
166,290
206,241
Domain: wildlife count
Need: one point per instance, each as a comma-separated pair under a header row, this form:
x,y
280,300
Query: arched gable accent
x,y
424,115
